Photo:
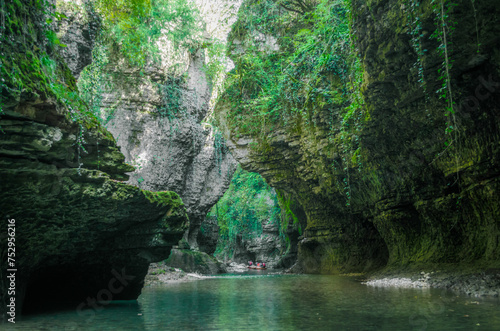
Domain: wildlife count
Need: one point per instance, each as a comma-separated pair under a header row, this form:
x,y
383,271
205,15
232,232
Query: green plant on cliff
x,y
414,25
292,58
31,66
444,28
294,64
139,31
288,217
94,81
2,55
136,27
247,203
171,103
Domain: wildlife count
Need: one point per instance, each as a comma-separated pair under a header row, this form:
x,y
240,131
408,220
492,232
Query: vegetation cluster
x,y
299,70
248,205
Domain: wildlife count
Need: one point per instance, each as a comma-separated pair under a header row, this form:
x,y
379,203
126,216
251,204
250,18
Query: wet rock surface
x,y
194,262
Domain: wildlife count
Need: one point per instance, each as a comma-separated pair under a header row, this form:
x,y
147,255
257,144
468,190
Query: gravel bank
x,y
477,285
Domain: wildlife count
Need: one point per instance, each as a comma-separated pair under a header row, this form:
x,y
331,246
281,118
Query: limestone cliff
x,y
78,31
156,115
77,225
179,152
402,195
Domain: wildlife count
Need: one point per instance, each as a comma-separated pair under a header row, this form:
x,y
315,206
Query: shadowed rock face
x,y
414,201
78,226
78,31
268,247
75,225
208,235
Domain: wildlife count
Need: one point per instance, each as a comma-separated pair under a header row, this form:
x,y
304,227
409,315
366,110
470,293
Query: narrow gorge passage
x,y
151,151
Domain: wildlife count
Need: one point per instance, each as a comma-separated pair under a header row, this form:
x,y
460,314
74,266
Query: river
x,y
277,302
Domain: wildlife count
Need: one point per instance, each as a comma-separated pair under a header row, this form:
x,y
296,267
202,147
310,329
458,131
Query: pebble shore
x,y
476,285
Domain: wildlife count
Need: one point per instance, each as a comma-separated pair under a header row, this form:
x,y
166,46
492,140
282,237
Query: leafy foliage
x,y
298,70
282,80
246,205
139,31
29,61
136,26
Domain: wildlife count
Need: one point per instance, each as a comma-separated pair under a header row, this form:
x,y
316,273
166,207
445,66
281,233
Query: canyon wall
x,y
416,183
157,115
77,224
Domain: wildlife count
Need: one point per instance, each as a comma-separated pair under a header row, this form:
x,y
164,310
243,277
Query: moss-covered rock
x,y
78,226
400,179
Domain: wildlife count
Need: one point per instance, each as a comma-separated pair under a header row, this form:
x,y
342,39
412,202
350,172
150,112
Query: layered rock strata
x,y
78,226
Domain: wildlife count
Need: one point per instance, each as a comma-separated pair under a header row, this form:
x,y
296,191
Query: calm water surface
x,y
278,302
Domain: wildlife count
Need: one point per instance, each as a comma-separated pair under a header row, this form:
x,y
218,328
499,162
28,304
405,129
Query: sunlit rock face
x,y
157,117
415,200
179,153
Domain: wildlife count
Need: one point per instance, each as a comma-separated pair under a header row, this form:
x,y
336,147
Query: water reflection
x,y
279,302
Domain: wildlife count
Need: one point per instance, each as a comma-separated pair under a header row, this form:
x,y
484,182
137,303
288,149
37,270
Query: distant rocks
x,y
208,235
195,262
236,267
160,273
476,285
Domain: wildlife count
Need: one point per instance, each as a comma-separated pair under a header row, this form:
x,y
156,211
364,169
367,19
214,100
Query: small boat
x,y
256,268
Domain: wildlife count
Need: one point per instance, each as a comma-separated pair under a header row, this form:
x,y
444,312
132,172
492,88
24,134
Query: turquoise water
x,y
278,302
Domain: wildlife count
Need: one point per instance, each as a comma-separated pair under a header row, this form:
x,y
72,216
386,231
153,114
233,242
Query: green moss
x,y
30,71
164,198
